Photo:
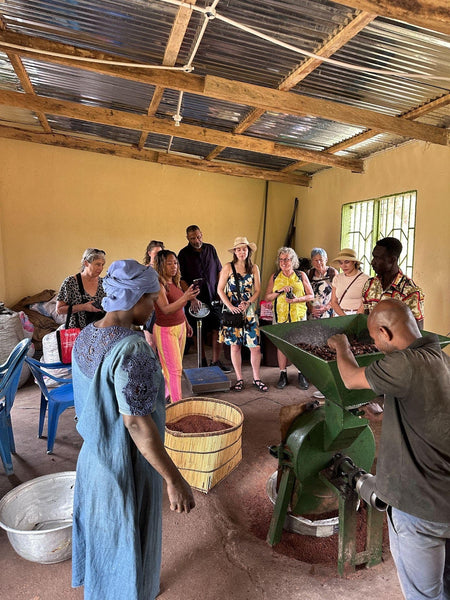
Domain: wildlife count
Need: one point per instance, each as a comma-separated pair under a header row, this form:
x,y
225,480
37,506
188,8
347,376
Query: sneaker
x,y
220,364
318,395
283,381
302,382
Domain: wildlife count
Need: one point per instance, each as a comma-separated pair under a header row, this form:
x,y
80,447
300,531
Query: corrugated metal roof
x,y
140,30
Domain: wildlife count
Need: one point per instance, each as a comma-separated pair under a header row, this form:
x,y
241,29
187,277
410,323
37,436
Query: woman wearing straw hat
x,y
238,288
119,401
346,295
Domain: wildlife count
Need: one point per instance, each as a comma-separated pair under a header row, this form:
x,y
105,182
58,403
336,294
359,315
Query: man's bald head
x,y
392,325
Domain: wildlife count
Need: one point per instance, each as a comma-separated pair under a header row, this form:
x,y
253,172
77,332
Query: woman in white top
x,y
346,295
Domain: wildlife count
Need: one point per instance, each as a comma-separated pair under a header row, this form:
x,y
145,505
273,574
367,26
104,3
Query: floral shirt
x,y
403,288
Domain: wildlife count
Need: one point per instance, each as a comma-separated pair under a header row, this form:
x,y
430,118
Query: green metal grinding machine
x,y
325,458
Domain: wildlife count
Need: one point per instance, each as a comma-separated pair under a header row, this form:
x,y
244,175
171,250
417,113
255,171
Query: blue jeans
x,y
421,552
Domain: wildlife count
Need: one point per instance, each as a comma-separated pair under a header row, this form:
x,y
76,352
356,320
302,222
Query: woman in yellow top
x,y
289,290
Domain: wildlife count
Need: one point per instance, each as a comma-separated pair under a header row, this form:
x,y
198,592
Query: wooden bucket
x,y
206,458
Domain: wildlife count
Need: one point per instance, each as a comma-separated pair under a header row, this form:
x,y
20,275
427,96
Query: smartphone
x,y
197,283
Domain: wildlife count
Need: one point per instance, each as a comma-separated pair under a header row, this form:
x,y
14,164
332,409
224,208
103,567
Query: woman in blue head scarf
x,y
119,402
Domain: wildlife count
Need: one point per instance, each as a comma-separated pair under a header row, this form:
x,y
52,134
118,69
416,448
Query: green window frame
x,y
366,221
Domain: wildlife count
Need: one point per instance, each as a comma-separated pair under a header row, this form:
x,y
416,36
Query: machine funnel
x,y
325,374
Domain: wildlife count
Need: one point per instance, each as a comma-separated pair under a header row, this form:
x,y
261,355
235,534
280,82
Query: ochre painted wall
x,y
55,202
413,166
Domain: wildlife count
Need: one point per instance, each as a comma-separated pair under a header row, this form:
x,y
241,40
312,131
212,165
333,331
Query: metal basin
x,y
37,517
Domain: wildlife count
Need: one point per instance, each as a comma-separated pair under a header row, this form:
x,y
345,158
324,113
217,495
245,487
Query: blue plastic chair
x,y
9,382
56,399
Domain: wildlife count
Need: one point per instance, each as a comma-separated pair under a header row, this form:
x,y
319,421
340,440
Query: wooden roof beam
x,y
24,79
336,42
136,122
176,37
414,113
430,14
238,92
80,143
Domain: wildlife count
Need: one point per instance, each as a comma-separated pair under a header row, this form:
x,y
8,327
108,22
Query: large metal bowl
x,y
37,517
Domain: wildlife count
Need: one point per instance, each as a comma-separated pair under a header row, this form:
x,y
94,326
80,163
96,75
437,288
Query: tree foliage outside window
x,y
365,222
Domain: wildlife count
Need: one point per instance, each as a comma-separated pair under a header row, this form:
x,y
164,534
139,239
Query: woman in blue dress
x,y
242,274
119,402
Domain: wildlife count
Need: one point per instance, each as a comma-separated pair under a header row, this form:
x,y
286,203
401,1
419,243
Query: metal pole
x,y
199,343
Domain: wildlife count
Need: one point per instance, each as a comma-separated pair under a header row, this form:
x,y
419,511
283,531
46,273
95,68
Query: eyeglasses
x,y
97,251
283,260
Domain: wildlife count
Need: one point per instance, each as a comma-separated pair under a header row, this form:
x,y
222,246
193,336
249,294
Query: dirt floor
x,y
219,549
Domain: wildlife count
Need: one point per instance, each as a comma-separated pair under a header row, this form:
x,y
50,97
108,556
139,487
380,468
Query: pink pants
x,y
170,342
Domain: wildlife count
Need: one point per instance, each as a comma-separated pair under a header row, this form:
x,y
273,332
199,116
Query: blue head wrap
x,y
126,282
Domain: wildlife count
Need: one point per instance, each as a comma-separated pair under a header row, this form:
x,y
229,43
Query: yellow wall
x,y
55,202
414,166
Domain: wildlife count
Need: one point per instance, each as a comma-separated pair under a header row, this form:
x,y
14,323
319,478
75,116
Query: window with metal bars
x,y
365,222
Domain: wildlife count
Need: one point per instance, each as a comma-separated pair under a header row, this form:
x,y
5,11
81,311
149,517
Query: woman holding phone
x,y
171,325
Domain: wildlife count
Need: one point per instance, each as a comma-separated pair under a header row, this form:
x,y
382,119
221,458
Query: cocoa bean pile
x,y
197,424
326,353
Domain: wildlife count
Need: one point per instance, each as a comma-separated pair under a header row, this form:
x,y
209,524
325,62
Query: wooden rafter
x,y
430,14
24,79
80,143
242,93
170,57
136,122
414,113
336,42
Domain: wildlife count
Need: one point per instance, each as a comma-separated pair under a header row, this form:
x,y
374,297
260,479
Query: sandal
x,y
238,386
262,387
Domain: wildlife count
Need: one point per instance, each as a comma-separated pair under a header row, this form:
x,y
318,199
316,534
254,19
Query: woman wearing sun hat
x,y
346,295
241,274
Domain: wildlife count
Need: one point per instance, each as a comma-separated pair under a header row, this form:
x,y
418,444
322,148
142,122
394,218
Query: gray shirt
x,y
413,469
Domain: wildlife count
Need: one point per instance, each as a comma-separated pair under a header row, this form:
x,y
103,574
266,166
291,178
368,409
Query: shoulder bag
x,y
230,319
65,339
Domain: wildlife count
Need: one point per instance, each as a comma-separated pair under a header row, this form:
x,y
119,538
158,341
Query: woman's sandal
x,y
238,386
262,387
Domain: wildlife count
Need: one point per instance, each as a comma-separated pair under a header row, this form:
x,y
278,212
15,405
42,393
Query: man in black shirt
x,y
413,469
199,260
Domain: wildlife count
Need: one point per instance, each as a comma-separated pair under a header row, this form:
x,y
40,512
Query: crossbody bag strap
x,y
69,314
238,285
82,293
348,287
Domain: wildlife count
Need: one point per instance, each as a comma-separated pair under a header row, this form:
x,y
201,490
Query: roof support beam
x,y
170,57
431,14
136,122
335,42
414,113
242,93
24,79
123,151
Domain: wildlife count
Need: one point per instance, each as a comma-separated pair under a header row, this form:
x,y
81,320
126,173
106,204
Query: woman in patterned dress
x,y
83,292
321,277
249,282
119,402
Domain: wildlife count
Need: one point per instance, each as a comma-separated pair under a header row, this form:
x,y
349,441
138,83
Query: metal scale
x,y
204,380
329,448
